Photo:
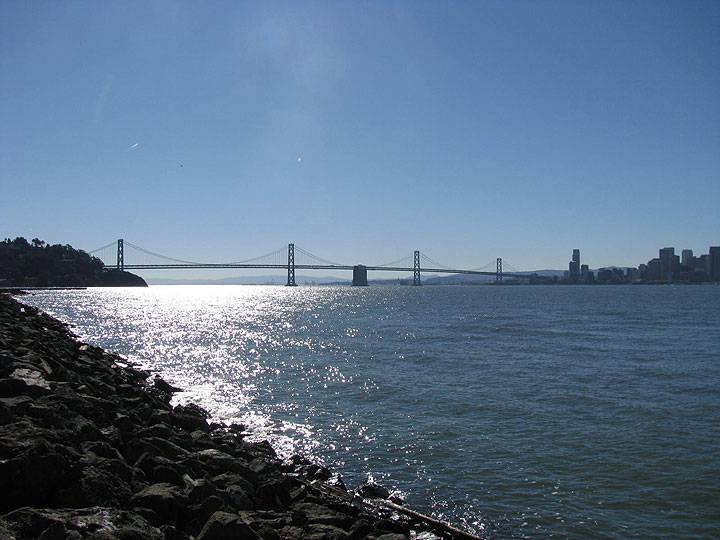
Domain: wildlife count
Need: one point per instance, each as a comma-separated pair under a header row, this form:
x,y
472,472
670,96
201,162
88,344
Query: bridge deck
x,y
316,267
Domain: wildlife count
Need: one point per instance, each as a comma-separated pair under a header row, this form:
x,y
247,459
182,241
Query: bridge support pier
x,y
416,268
120,254
291,266
359,276
498,270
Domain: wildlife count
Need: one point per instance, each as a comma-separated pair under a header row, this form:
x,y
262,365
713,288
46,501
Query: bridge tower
x,y
416,268
498,270
291,266
359,276
120,254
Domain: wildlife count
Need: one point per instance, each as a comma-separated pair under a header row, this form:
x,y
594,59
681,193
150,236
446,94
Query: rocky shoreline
x,y
90,448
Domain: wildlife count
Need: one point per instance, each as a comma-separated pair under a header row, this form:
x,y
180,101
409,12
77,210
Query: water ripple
x,y
527,412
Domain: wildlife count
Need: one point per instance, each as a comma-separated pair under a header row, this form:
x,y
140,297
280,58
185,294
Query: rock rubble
x,y
90,448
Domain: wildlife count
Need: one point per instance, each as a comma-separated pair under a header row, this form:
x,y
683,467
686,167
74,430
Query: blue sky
x,y
361,131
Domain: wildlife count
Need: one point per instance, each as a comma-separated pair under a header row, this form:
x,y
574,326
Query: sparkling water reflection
x,y
520,411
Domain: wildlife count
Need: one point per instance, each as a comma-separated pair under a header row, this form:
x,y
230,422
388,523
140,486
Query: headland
x,y
36,264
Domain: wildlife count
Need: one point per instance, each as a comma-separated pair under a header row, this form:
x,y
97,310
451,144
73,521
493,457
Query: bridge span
x,y
266,262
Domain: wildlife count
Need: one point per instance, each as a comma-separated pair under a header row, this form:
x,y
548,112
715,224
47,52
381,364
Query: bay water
x,y
512,411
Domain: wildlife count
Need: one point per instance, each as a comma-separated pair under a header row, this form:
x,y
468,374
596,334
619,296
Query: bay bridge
x,y
291,259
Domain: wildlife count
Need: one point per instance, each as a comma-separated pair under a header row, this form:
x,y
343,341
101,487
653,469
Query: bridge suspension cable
x,y
432,263
490,266
148,252
111,244
405,261
276,255
316,258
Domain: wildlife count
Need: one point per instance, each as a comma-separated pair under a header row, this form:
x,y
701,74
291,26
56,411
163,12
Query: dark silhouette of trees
x,y
36,263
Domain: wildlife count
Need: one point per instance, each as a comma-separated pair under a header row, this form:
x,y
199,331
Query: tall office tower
x,y
667,263
714,257
687,256
574,266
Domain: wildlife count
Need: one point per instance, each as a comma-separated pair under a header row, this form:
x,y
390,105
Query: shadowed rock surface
x,y
90,447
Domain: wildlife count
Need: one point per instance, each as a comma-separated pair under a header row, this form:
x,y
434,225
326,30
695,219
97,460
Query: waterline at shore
x,y
90,447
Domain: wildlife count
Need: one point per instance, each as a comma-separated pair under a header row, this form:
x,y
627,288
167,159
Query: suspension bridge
x,y
292,258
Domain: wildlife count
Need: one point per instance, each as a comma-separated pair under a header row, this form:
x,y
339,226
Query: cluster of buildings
x,y
667,267
687,267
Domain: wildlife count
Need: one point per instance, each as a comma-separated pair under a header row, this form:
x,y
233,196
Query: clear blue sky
x,y
361,131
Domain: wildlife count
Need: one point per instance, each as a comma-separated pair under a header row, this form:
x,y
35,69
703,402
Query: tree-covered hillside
x,y
35,263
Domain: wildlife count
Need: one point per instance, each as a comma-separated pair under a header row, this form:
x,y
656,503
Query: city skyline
x,y
689,267
365,131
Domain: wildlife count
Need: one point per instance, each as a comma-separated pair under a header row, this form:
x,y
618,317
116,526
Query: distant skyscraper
x,y
585,274
574,266
668,263
714,259
687,256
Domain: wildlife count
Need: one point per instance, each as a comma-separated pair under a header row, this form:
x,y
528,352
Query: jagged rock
x,y
228,479
224,526
275,491
105,481
163,473
124,423
164,386
200,513
238,498
237,428
160,416
12,407
35,473
262,468
268,533
199,489
191,409
371,490
291,532
101,449
320,514
95,523
22,383
264,448
171,533
324,532
426,536
337,482
161,431
267,518
383,526
155,446
149,515
188,422
360,529
165,499
83,429
217,462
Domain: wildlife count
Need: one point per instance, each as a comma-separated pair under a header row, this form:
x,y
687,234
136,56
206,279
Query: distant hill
x,y
37,264
474,279
427,279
